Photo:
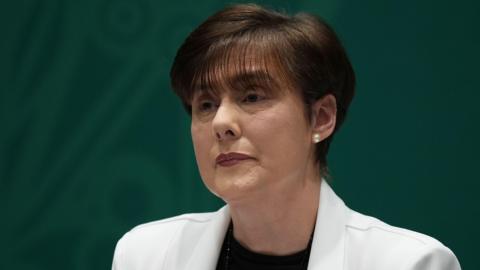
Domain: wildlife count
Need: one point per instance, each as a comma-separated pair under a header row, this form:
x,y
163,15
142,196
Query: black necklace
x,y
303,263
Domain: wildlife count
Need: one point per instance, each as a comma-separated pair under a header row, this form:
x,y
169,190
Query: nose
x,y
225,124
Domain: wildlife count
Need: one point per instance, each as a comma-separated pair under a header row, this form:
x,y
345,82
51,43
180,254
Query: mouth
x,y
231,159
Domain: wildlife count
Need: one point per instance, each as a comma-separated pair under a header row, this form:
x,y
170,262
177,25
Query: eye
x,y
206,105
252,98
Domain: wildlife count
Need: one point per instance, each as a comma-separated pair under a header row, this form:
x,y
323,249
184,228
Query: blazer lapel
x,y
329,237
205,255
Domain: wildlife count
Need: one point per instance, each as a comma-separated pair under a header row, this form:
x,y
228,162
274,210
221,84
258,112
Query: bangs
x,y
236,64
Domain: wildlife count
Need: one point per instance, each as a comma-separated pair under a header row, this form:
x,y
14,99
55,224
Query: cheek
x,y
200,136
282,137
202,146
283,124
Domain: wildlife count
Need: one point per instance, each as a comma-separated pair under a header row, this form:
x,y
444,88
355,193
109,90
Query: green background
x,y
93,142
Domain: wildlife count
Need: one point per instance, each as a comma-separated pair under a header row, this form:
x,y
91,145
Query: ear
x,y
324,116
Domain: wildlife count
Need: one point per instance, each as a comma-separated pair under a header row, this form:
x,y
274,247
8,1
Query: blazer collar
x,y
328,241
329,236
205,255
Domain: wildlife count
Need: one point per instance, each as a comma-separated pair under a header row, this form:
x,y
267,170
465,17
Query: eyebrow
x,y
252,78
240,82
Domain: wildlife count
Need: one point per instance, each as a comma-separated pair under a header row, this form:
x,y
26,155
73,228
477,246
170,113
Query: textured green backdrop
x,y
93,142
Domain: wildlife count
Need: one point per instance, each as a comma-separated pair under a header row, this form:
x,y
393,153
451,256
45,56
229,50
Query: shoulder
x,y
146,245
379,245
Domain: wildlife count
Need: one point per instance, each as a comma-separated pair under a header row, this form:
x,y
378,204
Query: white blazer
x,y
343,239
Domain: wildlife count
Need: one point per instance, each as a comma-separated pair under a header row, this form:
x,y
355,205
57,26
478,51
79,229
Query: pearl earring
x,y
316,138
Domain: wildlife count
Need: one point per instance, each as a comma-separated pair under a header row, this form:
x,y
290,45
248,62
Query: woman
x,y
266,93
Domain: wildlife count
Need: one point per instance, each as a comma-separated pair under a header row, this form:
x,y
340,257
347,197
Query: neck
x,y
280,223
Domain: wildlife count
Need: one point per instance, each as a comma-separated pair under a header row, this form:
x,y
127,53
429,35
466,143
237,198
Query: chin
x,y
235,188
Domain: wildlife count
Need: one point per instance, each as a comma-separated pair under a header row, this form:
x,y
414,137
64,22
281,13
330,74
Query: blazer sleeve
x,y
118,255
432,257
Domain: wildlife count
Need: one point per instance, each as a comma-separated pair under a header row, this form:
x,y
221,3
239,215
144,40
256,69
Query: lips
x,y
231,159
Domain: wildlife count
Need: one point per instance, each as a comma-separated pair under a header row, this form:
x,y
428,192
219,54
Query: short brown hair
x,y
302,47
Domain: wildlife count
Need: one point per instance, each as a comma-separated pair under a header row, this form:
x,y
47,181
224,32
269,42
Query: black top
x,y
238,257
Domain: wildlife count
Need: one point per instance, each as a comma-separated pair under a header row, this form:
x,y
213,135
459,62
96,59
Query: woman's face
x,y
251,141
